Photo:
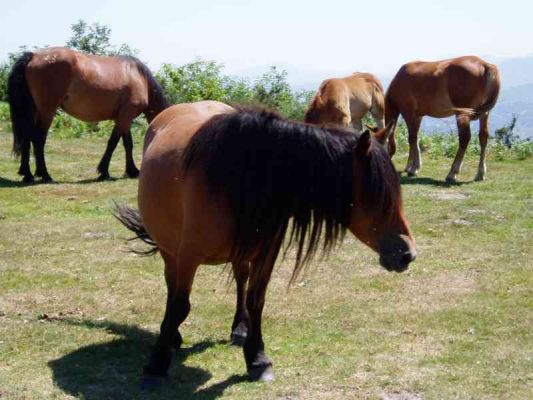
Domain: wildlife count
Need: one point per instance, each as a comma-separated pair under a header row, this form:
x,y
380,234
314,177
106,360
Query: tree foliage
x,y
205,80
96,39
505,135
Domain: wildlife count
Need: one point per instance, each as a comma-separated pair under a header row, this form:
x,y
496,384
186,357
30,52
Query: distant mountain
x,y
516,71
516,100
516,96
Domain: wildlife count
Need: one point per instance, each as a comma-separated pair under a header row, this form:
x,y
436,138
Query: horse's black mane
x,y
156,96
270,169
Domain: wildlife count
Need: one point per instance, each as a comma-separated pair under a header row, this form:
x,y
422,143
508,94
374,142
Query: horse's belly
x,y
439,106
90,102
88,111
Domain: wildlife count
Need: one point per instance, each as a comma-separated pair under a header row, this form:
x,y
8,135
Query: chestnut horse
x,y
345,101
466,87
88,87
219,185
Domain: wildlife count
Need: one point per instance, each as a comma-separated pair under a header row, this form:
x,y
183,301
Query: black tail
x,y
131,219
21,103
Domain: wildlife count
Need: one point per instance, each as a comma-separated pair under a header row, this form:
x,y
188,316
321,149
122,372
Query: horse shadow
x,y
9,183
426,181
112,370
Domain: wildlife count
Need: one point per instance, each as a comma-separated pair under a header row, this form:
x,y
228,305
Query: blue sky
x,y
310,37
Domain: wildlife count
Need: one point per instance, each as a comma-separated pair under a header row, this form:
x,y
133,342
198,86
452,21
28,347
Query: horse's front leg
x,y
239,327
259,366
179,275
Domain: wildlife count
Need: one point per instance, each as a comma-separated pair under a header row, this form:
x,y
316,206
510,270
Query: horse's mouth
x,y
395,264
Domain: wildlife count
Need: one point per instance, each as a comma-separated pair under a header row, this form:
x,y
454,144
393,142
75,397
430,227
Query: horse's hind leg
x,y
239,327
414,163
259,366
24,170
179,275
483,138
131,169
39,140
103,166
463,124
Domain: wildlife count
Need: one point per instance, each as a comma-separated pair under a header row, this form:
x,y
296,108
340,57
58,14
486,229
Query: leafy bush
x,y
204,80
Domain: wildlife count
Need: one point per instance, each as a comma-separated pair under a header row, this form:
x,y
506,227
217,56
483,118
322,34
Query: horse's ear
x,y
362,148
382,135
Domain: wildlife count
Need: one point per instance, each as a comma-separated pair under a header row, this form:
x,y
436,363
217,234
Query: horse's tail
x,y
492,91
131,219
21,104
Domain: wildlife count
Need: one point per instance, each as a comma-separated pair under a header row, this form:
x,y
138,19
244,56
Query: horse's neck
x,y
155,106
157,102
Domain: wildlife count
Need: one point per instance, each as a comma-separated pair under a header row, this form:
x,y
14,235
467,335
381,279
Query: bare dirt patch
x,y
401,396
448,195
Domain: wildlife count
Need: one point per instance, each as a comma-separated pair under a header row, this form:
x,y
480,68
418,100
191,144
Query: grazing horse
x,y
219,185
345,101
466,87
88,87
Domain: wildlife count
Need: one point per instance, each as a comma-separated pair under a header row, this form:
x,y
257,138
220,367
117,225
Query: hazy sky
x,y
312,36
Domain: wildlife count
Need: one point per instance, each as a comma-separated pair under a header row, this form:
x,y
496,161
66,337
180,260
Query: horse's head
x,y
377,217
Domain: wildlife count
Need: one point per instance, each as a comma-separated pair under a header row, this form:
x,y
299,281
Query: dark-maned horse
x,y
218,185
466,87
345,101
88,87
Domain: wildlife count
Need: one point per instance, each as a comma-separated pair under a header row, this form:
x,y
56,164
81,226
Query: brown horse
x,y
466,87
90,88
219,185
344,101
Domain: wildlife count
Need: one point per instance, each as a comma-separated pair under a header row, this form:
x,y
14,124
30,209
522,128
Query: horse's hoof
x,y
451,179
238,339
27,179
133,173
104,177
479,178
263,373
410,174
152,382
46,179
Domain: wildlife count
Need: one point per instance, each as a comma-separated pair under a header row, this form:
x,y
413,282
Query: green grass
x,y
78,313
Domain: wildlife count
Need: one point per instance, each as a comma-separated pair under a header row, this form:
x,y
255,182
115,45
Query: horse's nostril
x,y
408,257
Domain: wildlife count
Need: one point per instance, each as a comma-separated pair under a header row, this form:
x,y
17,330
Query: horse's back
x,y
364,88
104,87
89,87
165,193
438,88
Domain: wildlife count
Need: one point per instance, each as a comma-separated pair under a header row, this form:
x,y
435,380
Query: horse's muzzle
x,y
396,252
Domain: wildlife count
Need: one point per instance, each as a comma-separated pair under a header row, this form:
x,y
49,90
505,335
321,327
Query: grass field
x,y
78,313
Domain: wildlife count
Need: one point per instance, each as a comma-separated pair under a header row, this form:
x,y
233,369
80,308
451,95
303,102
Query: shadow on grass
x,y
112,370
8,183
407,180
